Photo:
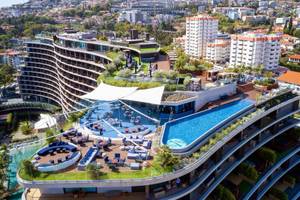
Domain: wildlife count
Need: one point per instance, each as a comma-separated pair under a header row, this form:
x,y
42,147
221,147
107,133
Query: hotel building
x,y
251,127
199,31
254,49
61,68
218,51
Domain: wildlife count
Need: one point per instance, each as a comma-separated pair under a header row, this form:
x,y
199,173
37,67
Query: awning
x,y
46,121
106,92
151,96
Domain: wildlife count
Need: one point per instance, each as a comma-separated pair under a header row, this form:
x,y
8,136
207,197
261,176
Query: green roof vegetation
x,y
148,50
245,186
163,163
84,175
113,54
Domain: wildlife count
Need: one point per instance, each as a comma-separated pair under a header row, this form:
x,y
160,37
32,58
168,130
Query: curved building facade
x,y
59,70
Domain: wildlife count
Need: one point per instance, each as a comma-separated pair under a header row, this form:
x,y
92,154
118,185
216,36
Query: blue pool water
x,y
181,133
16,156
117,113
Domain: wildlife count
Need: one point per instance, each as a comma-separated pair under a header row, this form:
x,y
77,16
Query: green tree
x,y
165,158
26,128
267,155
4,161
290,26
111,68
6,74
28,168
297,33
223,193
50,135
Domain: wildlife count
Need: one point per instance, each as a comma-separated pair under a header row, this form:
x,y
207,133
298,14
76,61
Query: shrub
x,y
93,172
111,68
278,194
165,158
290,179
248,170
187,80
172,75
160,74
224,193
267,154
73,117
9,118
125,73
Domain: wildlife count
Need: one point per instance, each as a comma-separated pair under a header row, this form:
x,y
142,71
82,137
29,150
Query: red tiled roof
x,y
296,56
290,77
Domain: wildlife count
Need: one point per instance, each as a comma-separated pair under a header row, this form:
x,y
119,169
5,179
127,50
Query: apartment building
x,y
218,51
254,49
199,31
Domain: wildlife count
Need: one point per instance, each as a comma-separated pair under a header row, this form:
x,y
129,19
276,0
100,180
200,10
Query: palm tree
x,y
28,168
26,128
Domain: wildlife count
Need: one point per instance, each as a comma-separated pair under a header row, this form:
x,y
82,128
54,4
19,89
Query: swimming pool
x,y
114,114
16,156
182,133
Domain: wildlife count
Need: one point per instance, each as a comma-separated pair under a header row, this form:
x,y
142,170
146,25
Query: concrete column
x,y
147,191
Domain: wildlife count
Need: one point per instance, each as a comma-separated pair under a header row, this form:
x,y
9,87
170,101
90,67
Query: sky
x,y
6,3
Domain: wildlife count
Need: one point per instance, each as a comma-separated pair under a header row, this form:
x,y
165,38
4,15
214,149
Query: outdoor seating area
x,y
75,151
112,119
87,158
56,156
59,146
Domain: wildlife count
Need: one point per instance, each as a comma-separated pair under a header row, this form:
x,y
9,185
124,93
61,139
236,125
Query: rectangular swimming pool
x,y
181,133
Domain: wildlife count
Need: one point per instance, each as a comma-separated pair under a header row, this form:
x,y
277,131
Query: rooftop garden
x,y
148,50
186,65
163,163
140,75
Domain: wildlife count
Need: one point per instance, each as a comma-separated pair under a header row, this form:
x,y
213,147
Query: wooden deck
x,y
110,152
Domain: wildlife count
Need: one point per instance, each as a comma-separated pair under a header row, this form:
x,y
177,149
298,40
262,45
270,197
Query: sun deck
x,y
105,154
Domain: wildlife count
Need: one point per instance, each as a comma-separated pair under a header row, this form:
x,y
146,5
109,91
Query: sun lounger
x,y
135,166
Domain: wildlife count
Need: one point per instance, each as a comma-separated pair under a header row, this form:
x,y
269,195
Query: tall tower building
x,y
254,49
200,30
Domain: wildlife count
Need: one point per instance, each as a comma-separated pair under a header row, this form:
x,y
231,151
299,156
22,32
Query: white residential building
x,y
218,51
199,31
254,49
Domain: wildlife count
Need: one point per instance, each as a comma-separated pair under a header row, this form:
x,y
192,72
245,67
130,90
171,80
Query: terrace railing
x,y
269,173
6,107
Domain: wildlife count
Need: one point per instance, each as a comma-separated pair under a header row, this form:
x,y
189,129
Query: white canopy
x,y
152,95
46,121
106,92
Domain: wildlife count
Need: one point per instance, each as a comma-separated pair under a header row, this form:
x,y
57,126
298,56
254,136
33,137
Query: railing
x,y
28,105
270,172
238,162
276,177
